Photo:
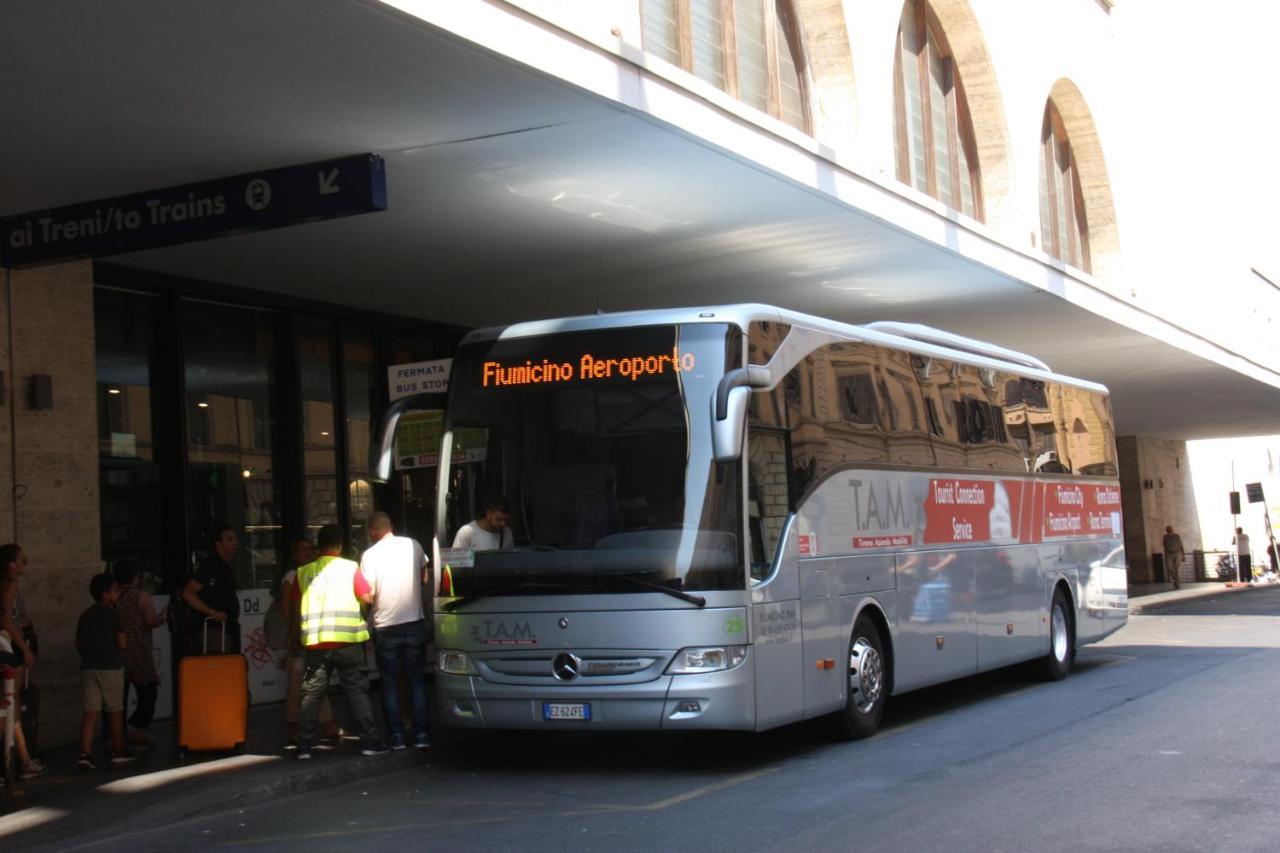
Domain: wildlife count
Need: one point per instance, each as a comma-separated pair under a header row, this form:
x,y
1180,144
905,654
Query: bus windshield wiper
x,y
657,587
450,606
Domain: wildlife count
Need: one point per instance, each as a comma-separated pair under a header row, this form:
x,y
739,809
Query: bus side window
x,y
767,492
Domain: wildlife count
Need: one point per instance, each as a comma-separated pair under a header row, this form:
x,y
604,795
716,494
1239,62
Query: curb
x,y
314,778
318,776
1138,608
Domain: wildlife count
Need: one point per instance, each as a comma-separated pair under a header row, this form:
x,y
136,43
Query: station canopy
x,y
518,189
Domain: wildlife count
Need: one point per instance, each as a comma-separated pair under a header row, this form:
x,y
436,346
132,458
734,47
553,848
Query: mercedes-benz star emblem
x,y
566,666
564,623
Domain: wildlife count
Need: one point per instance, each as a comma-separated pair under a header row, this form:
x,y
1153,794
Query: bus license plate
x,y
566,711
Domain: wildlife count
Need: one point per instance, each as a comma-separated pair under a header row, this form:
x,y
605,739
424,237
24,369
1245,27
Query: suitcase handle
x,y
205,632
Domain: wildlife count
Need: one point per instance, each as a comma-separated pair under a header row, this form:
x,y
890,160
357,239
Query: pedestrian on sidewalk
x,y
1243,557
211,593
138,614
393,571
333,632
1173,556
100,640
17,628
301,553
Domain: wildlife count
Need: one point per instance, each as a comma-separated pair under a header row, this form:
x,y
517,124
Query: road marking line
x,y
363,830
597,810
679,798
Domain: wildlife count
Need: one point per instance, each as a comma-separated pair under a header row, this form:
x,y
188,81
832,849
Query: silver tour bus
x,y
738,517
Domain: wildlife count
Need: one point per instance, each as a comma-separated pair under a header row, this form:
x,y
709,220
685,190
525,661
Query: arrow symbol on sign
x,y
328,183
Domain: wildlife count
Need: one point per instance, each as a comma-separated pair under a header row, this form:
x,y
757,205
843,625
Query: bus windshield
x,y
599,444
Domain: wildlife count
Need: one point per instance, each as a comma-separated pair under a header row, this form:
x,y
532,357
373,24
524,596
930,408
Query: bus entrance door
x,y
775,631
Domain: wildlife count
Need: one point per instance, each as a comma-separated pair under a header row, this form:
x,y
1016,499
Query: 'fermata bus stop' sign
x,y
218,208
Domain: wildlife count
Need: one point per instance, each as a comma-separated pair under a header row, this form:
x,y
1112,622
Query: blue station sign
x,y
222,207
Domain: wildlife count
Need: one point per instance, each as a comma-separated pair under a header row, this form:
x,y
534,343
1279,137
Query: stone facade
x,y
49,467
1156,490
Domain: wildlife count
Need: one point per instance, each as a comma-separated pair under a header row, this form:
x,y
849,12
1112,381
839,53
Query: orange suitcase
x,y
213,700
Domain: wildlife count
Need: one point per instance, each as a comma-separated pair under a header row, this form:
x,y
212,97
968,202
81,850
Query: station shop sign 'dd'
x,y
268,679
222,207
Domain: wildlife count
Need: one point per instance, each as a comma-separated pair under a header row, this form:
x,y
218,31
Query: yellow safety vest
x,y
330,610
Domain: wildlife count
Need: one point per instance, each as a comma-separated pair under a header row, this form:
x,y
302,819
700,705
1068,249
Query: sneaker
x,y
32,770
397,741
122,758
304,751
85,762
376,747
422,741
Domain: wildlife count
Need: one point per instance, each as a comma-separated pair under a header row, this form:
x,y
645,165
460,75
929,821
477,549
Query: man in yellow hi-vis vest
x,y
333,633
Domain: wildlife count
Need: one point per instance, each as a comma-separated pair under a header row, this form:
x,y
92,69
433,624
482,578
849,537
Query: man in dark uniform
x,y
211,594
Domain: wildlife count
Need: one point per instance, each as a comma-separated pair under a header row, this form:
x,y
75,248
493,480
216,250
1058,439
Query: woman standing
x,y
21,635
138,613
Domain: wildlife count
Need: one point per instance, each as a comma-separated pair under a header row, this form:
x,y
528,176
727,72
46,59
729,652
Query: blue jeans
x,y
405,643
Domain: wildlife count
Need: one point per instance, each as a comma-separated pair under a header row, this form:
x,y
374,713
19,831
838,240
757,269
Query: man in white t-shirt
x,y
1244,555
489,532
394,570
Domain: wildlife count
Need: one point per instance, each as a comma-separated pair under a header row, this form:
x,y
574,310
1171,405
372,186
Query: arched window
x,y
934,136
1064,232
748,48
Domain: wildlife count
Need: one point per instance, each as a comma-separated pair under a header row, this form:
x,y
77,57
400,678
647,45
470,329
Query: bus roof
x,y
910,337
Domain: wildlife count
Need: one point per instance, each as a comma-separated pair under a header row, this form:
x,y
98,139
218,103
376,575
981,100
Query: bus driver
x,y
489,532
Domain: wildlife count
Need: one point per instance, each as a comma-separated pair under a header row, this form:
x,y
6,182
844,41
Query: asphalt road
x,y
1163,739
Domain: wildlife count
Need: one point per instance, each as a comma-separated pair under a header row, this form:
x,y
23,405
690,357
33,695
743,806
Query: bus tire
x,y
867,681
1062,639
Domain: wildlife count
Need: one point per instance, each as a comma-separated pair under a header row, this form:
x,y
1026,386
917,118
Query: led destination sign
x,y
586,367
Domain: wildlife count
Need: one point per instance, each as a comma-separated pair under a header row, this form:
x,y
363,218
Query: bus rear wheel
x,y
867,683
1062,639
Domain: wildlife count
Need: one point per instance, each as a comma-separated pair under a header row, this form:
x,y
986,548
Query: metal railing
x,y
1208,566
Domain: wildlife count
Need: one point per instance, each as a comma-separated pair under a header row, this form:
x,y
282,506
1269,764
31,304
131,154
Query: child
x,y
100,638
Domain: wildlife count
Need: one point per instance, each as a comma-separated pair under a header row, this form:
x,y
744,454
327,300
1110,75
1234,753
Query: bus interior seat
x,y
547,492
586,519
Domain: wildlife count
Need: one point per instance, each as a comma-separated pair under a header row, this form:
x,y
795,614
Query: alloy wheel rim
x,y
1059,633
866,675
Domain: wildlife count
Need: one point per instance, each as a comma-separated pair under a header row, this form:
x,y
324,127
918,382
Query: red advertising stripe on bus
x,y
959,511
1079,509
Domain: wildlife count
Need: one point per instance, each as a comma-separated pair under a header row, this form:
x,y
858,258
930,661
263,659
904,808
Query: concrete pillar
x,y
49,467
1155,491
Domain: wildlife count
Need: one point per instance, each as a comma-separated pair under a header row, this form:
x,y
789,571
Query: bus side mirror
x,y
729,410
382,451
727,434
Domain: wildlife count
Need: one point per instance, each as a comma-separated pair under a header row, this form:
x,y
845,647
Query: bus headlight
x,y
454,663
707,659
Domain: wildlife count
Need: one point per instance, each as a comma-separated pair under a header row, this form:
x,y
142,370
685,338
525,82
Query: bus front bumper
x,y
716,700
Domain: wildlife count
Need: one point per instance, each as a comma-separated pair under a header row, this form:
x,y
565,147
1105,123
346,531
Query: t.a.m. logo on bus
x,y
501,633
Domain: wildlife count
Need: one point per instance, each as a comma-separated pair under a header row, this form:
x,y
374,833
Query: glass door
x,y
229,364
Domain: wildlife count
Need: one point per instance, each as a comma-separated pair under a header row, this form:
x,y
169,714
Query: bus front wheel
x,y
865,693
1062,640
